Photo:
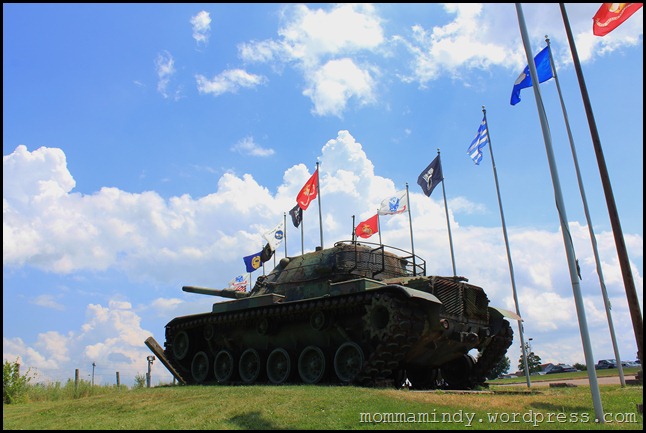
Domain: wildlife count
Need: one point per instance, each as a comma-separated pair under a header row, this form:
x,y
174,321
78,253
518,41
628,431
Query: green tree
x,y
501,368
13,384
533,361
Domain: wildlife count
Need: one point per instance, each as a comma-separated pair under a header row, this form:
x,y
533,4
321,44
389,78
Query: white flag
x,y
275,236
395,204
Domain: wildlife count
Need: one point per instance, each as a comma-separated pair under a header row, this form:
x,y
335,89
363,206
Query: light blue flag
x,y
543,69
481,140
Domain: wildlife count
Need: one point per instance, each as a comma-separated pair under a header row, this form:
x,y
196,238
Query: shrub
x,y
13,384
140,381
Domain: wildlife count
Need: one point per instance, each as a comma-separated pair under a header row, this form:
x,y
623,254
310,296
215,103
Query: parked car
x,y
559,368
606,363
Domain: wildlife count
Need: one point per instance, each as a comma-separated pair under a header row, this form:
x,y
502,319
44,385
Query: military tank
x,y
356,314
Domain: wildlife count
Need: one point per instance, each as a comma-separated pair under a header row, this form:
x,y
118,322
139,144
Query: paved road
x,y
612,380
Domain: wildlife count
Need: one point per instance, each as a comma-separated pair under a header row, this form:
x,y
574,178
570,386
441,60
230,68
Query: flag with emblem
x,y
275,236
297,215
395,204
431,176
308,192
253,261
611,15
543,70
239,283
368,227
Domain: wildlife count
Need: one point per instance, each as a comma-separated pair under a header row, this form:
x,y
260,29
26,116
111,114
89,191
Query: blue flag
x,y
253,261
431,176
543,69
475,149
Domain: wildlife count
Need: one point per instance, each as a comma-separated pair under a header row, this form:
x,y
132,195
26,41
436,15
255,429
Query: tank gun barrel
x,y
225,293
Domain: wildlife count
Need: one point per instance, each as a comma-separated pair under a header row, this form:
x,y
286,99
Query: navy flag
x,y
297,215
253,261
543,70
431,176
481,140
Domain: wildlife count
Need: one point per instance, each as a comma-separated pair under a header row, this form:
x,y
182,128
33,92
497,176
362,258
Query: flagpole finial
x,y
438,150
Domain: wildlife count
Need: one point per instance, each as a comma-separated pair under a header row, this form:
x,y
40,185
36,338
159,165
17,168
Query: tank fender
x,y
411,293
501,312
497,319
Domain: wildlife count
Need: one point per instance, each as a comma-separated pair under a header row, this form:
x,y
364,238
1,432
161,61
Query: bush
x,y
140,381
13,384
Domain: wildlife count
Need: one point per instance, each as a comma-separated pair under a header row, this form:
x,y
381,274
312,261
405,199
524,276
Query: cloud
x,y
201,27
111,337
474,37
248,147
335,83
228,81
165,68
307,40
201,241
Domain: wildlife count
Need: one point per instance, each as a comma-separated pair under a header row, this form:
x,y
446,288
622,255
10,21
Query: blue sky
x,y
147,147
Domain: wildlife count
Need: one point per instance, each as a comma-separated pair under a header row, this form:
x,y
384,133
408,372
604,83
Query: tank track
x,y
384,355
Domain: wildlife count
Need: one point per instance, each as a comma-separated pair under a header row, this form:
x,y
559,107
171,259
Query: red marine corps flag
x,y
610,15
309,191
367,228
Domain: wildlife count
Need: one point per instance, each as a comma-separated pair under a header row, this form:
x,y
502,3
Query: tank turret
x,y
356,313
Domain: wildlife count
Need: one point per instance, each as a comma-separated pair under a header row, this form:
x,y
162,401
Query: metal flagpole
x,y
379,227
593,238
285,225
560,207
448,224
302,224
410,224
318,193
511,266
353,229
624,262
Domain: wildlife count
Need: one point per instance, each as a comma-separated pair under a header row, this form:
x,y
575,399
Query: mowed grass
x,y
332,408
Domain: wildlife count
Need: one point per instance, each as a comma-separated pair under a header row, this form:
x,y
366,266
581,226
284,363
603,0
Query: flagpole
x,y
448,224
624,261
593,238
318,194
410,224
285,225
353,229
560,207
302,224
379,227
511,266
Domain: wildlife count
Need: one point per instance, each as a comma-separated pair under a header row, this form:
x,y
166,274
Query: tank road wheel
x,y
180,345
311,365
279,366
318,320
249,366
348,361
457,373
380,317
224,366
200,367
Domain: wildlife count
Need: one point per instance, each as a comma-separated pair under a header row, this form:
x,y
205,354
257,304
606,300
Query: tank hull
x,y
378,337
